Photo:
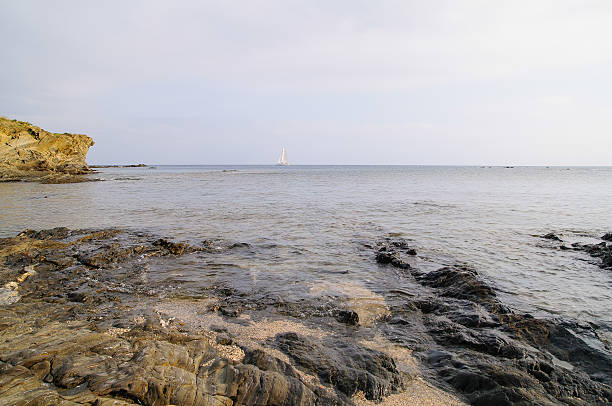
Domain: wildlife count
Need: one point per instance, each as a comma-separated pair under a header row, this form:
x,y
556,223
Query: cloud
x,y
475,68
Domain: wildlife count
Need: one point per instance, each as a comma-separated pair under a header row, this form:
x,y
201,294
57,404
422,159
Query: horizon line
x,y
445,165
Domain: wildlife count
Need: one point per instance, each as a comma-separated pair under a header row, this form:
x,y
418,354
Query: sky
x,y
334,82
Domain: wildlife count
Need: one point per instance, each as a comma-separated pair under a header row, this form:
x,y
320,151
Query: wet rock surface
x,y
393,251
551,236
493,355
343,365
80,325
601,251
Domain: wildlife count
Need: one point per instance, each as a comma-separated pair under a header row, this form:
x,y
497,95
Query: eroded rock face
x,y
63,363
28,152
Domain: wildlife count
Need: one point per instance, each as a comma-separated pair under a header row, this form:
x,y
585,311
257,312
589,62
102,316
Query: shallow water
x,y
306,225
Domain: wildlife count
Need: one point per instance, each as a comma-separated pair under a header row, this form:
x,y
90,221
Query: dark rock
x,y
348,317
108,255
174,248
404,246
552,236
78,297
459,282
603,251
493,355
239,245
266,362
384,257
607,237
345,366
387,255
58,233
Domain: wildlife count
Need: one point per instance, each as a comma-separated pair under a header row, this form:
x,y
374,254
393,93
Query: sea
x,y
307,232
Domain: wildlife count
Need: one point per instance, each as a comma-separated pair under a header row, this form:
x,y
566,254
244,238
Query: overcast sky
x,y
335,82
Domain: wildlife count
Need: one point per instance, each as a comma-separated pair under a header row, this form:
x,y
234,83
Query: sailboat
x,y
283,158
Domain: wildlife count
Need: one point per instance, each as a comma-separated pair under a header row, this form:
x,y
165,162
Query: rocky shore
x,y
86,320
29,153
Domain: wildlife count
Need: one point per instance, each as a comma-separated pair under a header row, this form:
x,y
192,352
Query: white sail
x,y
283,158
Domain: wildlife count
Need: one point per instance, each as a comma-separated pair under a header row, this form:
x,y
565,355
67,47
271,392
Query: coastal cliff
x,y
30,153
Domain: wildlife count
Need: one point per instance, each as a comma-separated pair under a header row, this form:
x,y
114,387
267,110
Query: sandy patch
x,y
418,393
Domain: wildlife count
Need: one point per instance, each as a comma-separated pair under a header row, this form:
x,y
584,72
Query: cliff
x,y
28,152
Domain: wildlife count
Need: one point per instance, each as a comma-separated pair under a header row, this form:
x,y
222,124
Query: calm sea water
x,y
307,224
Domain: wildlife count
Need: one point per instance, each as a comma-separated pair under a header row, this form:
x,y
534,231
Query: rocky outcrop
x,y
77,332
80,324
28,152
493,355
70,363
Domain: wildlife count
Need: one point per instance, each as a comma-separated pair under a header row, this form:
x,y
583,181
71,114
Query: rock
x,y
239,245
459,282
9,294
108,254
174,248
78,297
65,343
607,237
411,251
493,355
345,366
142,367
388,255
551,236
266,362
404,246
58,233
602,251
348,317
28,152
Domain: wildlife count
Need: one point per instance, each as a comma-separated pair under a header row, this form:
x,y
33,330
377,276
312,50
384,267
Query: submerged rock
x,y
602,251
388,254
552,236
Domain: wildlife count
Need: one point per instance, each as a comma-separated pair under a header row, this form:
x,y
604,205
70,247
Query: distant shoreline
x,y
119,166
